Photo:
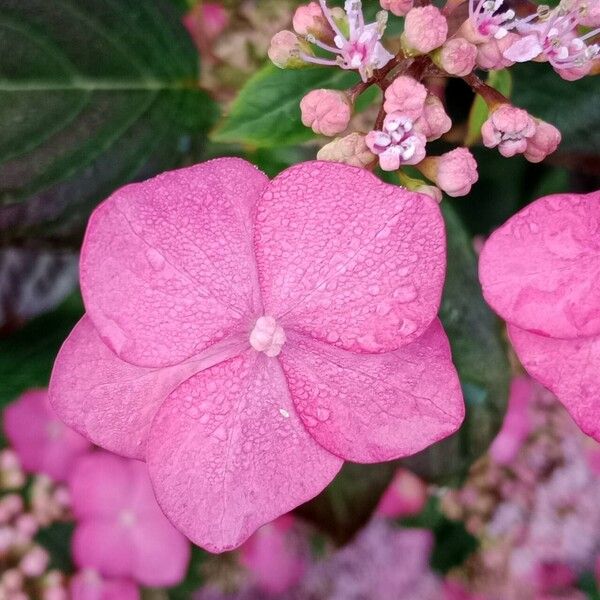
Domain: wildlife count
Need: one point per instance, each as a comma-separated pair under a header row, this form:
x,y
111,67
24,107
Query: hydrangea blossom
x,y
245,336
42,441
90,585
121,531
541,272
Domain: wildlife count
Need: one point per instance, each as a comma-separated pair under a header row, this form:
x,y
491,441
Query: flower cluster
x,y
431,45
121,538
534,503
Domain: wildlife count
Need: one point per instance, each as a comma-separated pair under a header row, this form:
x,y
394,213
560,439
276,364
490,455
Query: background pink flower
x,y
175,273
541,272
121,531
42,441
90,585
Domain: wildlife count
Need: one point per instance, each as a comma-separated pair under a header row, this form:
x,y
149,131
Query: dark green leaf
x,y
572,106
480,358
267,110
57,540
26,357
93,93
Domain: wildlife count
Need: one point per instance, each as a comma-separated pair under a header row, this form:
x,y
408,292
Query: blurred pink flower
x,y
405,496
175,274
205,22
89,585
42,441
397,7
120,530
276,556
541,272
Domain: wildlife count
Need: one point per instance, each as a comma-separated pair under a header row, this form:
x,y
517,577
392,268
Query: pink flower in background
x,y
205,22
90,585
276,556
517,423
177,272
42,441
541,272
120,530
405,496
397,7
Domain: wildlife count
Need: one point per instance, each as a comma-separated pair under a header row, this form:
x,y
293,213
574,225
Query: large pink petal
x,y
167,266
105,398
348,259
227,453
109,400
570,368
372,408
541,269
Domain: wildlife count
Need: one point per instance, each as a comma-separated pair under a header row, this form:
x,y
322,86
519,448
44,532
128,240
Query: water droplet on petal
x,y
408,327
220,433
405,293
322,414
156,259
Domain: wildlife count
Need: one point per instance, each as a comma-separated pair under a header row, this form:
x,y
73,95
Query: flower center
x,y
267,336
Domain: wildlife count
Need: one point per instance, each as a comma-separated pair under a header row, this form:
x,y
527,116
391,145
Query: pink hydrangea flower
x,y
398,7
488,19
458,56
176,272
425,29
405,95
361,49
326,112
89,585
121,531
509,129
490,54
405,496
517,423
397,143
276,556
42,441
541,272
454,172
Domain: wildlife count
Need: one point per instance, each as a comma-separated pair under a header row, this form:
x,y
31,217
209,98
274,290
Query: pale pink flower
x,y
42,441
310,20
326,112
434,121
544,141
488,19
361,50
541,272
397,143
398,7
457,56
425,29
175,273
508,128
350,150
90,585
276,556
405,95
34,562
405,496
120,530
454,172
490,54
205,22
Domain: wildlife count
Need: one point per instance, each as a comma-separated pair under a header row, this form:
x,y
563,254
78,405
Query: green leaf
x,y
27,356
479,355
572,106
267,110
499,80
57,540
93,94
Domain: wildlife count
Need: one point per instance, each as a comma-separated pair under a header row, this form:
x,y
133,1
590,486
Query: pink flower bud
x,y
425,29
34,563
310,20
205,22
13,504
285,50
12,580
405,95
457,57
434,121
397,7
27,525
490,55
327,112
7,538
509,128
350,150
454,172
575,73
9,461
544,141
